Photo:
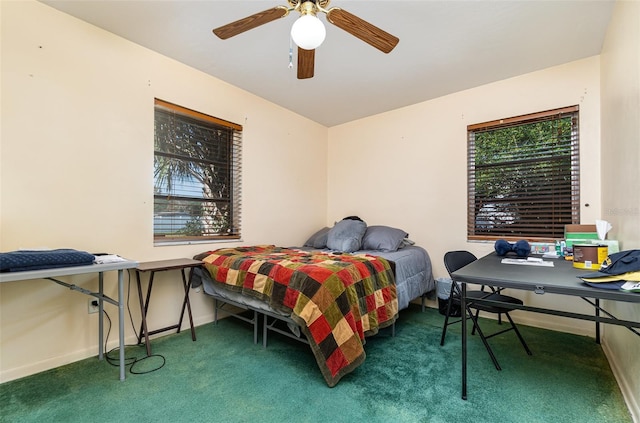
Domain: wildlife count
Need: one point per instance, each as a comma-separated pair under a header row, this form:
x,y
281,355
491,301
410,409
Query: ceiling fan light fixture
x,y
308,32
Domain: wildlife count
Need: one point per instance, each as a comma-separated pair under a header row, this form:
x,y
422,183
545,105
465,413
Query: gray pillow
x,y
319,239
383,238
346,235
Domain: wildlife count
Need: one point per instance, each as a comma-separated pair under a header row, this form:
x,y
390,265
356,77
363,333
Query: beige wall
x,y
414,162
76,160
76,171
620,75
413,159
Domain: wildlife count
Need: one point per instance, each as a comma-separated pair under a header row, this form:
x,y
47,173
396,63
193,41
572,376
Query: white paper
x,y
631,286
109,258
527,262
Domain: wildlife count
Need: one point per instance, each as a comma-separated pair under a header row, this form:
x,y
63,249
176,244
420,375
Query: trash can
x,y
443,288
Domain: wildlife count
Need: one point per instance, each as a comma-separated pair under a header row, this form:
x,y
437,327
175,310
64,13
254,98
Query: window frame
x,y
233,174
571,207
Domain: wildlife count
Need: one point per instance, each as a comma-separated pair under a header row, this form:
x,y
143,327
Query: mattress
x,y
413,274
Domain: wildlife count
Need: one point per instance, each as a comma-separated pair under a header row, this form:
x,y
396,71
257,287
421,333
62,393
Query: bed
x,y
335,297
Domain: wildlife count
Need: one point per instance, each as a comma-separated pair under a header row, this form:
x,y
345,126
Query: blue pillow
x,y
383,238
346,235
319,239
520,248
502,247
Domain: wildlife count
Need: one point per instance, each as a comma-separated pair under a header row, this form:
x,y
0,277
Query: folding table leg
x,y
143,311
186,304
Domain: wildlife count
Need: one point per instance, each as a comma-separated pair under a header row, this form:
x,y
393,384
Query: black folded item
x,y
453,312
23,260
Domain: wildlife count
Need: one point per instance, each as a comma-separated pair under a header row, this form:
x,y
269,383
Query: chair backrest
x,y
454,260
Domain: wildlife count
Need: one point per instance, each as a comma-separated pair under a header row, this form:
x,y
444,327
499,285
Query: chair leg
x,y
473,330
499,291
474,319
446,320
484,339
515,328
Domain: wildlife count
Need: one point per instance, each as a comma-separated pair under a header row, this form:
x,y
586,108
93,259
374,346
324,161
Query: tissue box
x,y
612,244
579,234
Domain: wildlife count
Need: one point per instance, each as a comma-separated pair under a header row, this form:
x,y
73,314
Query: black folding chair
x,y
454,260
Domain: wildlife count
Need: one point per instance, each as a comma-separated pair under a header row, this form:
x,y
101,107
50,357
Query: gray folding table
x,y
560,279
52,274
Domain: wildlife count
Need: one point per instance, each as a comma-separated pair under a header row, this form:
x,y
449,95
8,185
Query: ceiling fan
x,y
308,31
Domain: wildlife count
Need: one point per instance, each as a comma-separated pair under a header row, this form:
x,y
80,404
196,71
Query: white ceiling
x,y
445,46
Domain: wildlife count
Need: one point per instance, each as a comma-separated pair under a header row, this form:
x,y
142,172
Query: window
x,y
523,176
196,174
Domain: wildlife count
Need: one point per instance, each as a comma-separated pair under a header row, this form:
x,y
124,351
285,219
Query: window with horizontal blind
x,y
197,175
524,176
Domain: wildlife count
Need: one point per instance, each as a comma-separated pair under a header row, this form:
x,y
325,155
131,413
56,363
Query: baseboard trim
x,y
62,360
92,351
620,375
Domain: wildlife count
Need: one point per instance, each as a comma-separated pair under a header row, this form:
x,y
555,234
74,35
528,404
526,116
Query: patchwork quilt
x,y
337,299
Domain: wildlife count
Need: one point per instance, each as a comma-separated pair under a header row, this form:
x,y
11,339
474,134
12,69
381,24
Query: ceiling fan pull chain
x,y
290,53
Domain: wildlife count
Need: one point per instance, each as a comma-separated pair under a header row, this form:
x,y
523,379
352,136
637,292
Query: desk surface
x,y
170,264
65,271
562,278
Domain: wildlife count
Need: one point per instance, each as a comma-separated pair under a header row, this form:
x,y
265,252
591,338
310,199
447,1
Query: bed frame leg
x,y
255,327
264,331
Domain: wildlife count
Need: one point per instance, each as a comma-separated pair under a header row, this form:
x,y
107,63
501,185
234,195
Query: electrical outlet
x,y
93,305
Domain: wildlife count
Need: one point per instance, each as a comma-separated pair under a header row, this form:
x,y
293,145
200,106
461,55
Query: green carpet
x,y
224,377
